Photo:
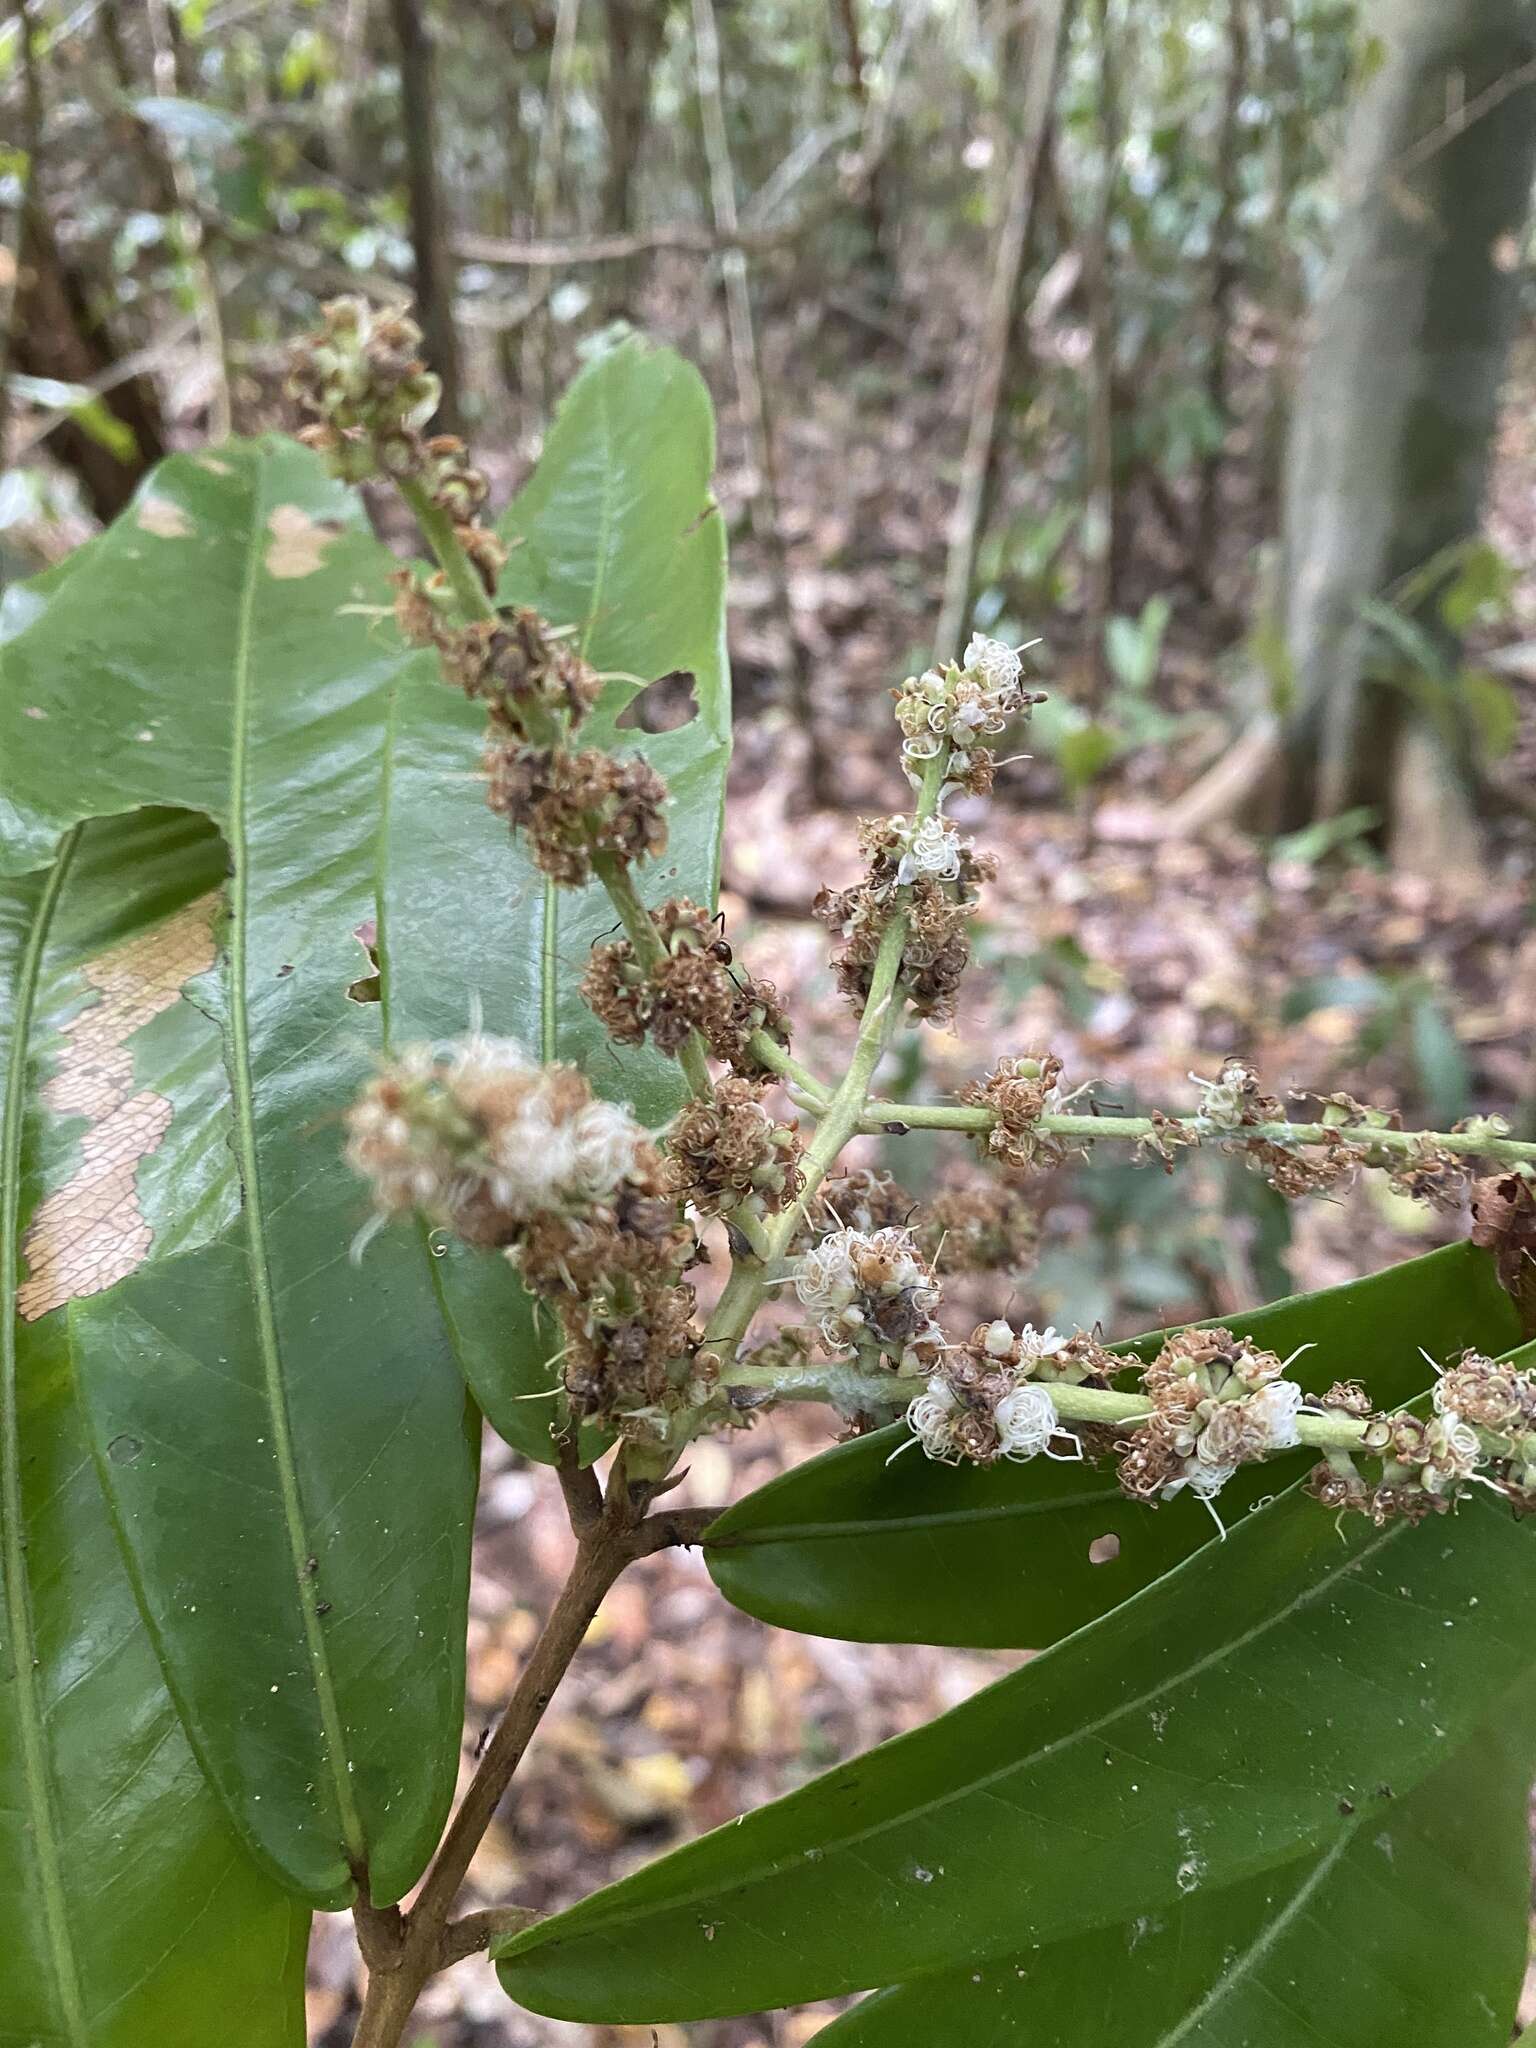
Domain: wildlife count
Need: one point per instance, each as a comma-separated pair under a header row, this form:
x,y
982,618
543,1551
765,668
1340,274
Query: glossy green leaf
x,y
1412,1925
851,1545
296,1511
131,1912
1205,1732
616,538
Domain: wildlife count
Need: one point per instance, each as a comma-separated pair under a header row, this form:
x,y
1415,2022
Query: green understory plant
x,y
344,1109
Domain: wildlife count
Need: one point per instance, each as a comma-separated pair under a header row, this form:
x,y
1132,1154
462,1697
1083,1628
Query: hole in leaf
x,y
366,988
1104,1549
661,706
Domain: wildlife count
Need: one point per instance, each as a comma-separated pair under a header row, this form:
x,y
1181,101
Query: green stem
x,y
438,531
769,1053
473,598
846,1385
650,952
944,1116
743,1292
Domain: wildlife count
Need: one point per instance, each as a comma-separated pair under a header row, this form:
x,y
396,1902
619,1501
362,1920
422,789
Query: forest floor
x,y
1138,959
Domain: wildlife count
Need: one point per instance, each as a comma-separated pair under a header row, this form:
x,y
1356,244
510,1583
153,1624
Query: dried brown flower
x,y
572,805
941,877
1504,1222
978,1227
730,1150
1019,1092
1431,1174
693,988
1348,1397
1293,1173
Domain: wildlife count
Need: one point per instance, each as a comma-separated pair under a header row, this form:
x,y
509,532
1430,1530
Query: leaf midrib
x,y
29,1714
550,1935
246,1153
1248,1959
549,941
764,1535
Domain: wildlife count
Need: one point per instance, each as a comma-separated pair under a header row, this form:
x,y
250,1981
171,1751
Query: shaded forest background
x,y
1190,339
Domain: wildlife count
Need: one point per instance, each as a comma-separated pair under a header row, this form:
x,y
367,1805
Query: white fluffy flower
x,y
1204,1481
604,1141
1026,1421
549,1156
481,1138
1234,1098
1222,1103
1037,1345
868,1284
824,1277
997,664
1236,1433
1026,1348
960,702
931,1417
1274,1408
476,1058
934,849
1455,1451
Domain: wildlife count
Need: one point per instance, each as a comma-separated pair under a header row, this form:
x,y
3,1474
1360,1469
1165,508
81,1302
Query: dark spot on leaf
x,y
285,970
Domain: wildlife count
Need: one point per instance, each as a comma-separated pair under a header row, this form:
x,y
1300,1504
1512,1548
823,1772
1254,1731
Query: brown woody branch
x,y
403,1951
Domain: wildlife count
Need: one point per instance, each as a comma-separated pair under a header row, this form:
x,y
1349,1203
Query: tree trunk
x,y
1226,270
847,13
548,162
429,235
1393,422
1101,509
52,330
1285,292
751,392
636,31
1039,71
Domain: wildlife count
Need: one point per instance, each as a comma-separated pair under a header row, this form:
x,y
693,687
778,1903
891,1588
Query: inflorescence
x,y
686,984
522,1158
935,877
603,1219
